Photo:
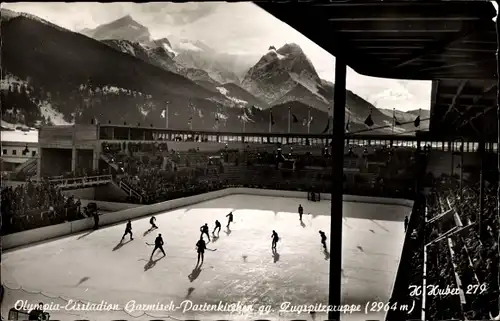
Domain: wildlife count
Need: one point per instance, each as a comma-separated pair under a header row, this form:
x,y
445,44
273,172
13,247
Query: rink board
x,y
243,270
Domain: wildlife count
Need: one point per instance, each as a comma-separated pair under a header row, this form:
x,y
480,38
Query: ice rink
x,y
92,267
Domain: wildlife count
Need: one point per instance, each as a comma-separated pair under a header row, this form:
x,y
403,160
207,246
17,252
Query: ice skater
x,y
230,219
323,239
275,238
301,211
128,230
158,246
204,230
96,219
200,247
217,227
406,223
152,221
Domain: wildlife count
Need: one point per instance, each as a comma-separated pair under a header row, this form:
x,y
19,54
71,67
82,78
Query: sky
x,y
237,28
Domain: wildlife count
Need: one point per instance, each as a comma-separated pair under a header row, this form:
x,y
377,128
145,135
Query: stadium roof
x,y
415,40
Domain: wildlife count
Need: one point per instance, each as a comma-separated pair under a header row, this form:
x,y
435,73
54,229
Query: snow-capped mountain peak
x,y
280,71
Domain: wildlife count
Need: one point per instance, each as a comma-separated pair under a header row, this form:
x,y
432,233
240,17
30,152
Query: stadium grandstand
x,y
450,172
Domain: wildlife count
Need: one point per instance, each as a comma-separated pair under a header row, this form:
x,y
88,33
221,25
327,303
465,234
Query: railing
x,y
81,181
28,163
156,135
129,190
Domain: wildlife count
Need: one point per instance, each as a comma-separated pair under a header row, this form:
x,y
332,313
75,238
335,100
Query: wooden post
x,y
335,286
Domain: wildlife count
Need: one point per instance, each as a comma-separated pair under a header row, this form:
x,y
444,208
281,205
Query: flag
x,y
416,122
164,113
306,122
369,121
272,119
348,120
327,127
190,119
295,120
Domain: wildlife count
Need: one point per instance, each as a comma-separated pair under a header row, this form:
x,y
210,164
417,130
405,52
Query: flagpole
x,y
289,112
270,118
419,114
166,116
192,116
393,119
309,120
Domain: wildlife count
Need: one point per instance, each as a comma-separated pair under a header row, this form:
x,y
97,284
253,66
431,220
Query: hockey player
x,y
406,223
200,247
158,246
204,230
275,238
230,219
301,211
217,227
128,230
323,239
152,221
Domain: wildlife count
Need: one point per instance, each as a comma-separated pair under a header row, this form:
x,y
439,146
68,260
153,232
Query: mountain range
x,y
118,73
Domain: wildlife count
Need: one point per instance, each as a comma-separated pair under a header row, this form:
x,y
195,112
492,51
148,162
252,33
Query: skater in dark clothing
x,y
152,221
301,211
200,247
323,239
204,230
128,230
275,238
217,227
96,220
230,219
158,245
406,223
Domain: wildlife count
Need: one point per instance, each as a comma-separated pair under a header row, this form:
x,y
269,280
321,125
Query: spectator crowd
x,y
459,255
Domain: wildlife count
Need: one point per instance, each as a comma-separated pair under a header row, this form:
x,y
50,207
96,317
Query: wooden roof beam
x,y
475,117
454,101
440,46
475,100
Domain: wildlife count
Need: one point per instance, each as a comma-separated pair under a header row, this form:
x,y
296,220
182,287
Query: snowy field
x,y
93,267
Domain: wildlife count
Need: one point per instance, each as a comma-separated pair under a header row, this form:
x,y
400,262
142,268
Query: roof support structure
x,y
498,136
455,98
475,100
470,120
438,47
336,204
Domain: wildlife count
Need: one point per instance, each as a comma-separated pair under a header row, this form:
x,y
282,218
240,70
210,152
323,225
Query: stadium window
x,y
4,152
33,153
14,152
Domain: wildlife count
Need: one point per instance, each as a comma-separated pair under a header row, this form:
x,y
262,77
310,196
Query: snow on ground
x,y
11,80
306,81
56,117
225,92
221,116
169,49
94,266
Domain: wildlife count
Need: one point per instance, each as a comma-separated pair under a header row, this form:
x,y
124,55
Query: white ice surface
x,y
243,269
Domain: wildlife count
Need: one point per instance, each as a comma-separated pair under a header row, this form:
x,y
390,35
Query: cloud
x,y
235,28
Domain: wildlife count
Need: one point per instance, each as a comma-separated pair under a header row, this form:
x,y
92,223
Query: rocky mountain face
x,y
50,72
124,28
285,76
117,73
196,54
